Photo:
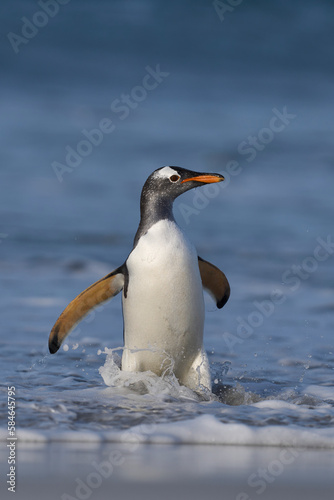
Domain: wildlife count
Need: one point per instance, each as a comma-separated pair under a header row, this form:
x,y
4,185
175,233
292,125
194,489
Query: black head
x,y
170,182
162,187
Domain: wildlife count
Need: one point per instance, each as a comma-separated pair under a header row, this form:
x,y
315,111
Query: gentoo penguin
x,y
162,281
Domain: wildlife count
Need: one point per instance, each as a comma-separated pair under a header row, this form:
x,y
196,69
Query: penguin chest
x,y
164,308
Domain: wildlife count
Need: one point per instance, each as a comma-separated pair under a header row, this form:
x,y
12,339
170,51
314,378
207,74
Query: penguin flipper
x,y
98,292
215,281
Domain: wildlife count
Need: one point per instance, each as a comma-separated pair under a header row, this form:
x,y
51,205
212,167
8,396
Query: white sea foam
x,y
143,382
205,429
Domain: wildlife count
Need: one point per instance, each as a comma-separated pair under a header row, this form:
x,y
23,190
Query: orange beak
x,y
206,178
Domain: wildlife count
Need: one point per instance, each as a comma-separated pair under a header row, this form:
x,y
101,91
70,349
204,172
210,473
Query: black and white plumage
x,y
162,281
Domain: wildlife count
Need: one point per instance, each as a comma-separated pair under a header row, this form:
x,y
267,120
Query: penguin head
x,y
170,182
160,190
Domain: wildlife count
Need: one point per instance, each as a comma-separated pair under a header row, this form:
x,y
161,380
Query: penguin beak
x,y
205,178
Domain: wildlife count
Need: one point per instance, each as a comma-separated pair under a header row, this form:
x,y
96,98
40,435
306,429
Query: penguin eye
x,y
174,178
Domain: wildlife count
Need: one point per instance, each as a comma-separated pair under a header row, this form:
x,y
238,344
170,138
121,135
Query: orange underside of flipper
x,y
98,292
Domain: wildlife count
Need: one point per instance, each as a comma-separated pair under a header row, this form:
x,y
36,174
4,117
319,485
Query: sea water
x,y
272,382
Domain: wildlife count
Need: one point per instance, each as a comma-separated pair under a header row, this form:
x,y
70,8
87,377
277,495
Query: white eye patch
x,y
166,172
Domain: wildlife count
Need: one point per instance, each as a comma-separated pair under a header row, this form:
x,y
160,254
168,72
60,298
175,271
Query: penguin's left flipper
x,y
215,281
98,292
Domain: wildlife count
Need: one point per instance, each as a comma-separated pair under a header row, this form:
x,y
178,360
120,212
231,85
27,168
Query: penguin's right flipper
x,y
215,281
98,292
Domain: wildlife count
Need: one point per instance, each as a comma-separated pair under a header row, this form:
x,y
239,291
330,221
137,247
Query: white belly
x,y
164,308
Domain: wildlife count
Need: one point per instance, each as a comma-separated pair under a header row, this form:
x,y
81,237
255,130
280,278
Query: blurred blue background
x,y
226,73
245,90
